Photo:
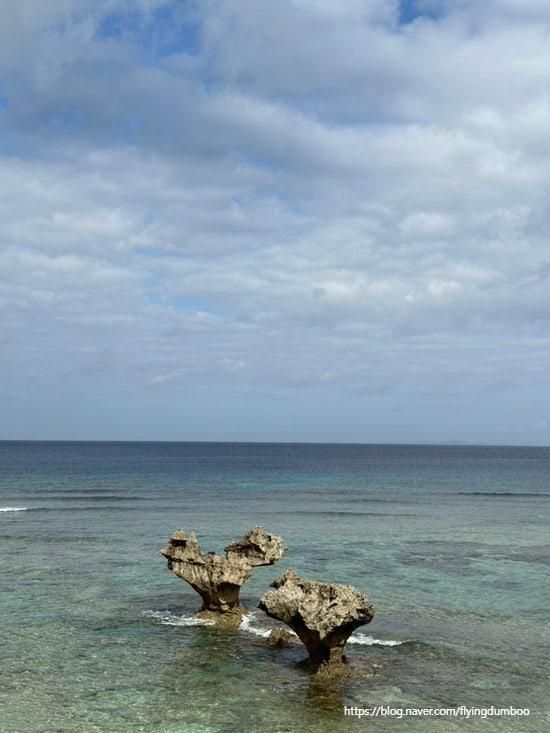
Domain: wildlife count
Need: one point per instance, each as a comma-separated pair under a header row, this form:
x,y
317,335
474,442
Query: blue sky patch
x,y
170,29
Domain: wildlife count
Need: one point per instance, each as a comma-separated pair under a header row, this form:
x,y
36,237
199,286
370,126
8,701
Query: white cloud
x,y
318,196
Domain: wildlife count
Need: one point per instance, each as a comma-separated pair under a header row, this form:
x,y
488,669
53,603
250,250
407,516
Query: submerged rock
x,y
218,578
279,638
323,615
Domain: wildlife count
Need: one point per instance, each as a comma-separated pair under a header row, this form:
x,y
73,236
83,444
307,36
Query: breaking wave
x,y
359,638
13,508
246,625
356,638
167,618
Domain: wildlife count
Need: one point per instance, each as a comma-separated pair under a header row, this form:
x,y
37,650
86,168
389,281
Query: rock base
x,y
224,619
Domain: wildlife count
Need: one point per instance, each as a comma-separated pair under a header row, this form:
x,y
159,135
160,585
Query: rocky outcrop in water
x,y
218,578
323,615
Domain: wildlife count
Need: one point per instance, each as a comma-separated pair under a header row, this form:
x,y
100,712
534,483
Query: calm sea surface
x,y
450,543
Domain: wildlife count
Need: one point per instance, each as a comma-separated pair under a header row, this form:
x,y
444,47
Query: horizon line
x,y
439,444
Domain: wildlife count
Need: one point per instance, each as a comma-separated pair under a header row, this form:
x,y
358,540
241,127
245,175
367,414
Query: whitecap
x,y
13,508
167,618
359,638
246,625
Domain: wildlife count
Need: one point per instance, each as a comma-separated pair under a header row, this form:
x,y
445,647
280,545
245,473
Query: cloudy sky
x,y
318,220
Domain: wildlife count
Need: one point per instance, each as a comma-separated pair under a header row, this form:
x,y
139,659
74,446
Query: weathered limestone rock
x,y
323,615
258,547
218,578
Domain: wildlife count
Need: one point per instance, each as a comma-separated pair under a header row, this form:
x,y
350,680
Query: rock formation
x,y
323,615
218,578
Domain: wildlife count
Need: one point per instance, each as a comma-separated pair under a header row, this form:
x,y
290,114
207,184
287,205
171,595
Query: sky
x,y
287,220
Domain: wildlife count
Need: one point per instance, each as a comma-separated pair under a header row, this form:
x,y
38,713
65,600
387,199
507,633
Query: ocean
x,y
450,543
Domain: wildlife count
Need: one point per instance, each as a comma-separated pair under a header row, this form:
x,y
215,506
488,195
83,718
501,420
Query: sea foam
x,y
359,638
246,625
13,508
167,618
356,638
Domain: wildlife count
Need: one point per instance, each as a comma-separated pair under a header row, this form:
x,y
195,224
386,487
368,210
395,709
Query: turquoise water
x,y
450,543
